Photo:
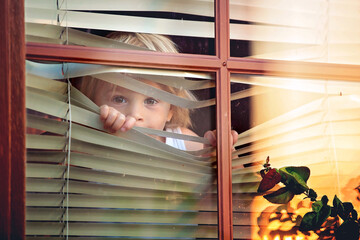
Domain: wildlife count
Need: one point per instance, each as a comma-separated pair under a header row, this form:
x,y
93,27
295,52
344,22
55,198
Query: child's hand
x,y
114,120
211,136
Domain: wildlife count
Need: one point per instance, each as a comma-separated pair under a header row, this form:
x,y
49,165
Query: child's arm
x,y
191,146
209,135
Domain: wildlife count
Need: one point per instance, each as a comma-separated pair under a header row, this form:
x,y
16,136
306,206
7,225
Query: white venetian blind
x,y
84,183
296,122
66,21
306,30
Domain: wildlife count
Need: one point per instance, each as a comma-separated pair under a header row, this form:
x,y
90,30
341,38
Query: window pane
x,y
294,122
190,23
311,30
154,181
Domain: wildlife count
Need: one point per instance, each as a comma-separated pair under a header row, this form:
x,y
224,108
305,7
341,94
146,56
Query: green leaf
x,y
307,222
349,230
354,214
324,200
295,178
338,205
322,215
301,172
343,209
333,212
281,196
314,220
312,195
336,202
348,207
316,206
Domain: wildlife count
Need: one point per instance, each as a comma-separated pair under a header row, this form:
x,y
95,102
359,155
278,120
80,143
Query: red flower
x,y
270,179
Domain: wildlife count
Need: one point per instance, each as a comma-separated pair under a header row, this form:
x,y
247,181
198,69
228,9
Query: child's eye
x,y
150,101
118,99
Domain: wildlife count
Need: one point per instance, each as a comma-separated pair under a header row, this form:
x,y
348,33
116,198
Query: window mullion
x,y
222,40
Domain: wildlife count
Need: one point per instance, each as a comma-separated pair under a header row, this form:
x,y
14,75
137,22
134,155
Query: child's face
x,y
148,112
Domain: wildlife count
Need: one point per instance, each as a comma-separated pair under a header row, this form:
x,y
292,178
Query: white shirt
x,y
176,143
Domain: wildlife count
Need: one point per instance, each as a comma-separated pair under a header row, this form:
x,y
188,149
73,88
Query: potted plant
x,y
294,180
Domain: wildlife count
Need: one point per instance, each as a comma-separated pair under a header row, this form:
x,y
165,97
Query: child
x,y
121,109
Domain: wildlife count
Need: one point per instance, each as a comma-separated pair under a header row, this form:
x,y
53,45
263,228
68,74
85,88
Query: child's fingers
x,y
119,122
211,136
110,118
235,136
128,124
104,112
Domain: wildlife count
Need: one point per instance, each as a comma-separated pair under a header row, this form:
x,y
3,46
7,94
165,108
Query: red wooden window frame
x,y
12,100
12,120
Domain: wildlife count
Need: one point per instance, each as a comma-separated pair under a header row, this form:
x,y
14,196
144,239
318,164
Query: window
x,y
156,178
190,24
83,181
12,175
311,31
294,122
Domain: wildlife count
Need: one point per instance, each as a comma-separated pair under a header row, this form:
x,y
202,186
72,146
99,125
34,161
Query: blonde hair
x,y
155,42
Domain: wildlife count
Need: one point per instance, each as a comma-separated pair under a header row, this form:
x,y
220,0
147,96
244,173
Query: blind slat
x,y
126,216
116,155
46,32
125,180
178,79
110,22
197,7
302,85
49,186
128,166
84,201
318,130
136,230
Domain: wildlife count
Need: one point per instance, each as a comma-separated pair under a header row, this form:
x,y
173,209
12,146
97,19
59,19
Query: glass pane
x,y
119,152
310,30
190,23
293,122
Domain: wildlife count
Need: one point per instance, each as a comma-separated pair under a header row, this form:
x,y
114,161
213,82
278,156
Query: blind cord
x,y
59,21
67,161
332,141
68,157
68,119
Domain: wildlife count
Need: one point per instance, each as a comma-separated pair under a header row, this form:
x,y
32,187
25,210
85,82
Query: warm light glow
x,y
355,98
299,236
274,225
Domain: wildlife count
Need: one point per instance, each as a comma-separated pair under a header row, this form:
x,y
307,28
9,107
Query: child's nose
x,y
136,110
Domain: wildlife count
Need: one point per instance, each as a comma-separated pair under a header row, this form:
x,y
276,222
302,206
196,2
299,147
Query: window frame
x,y
12,95
12,117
